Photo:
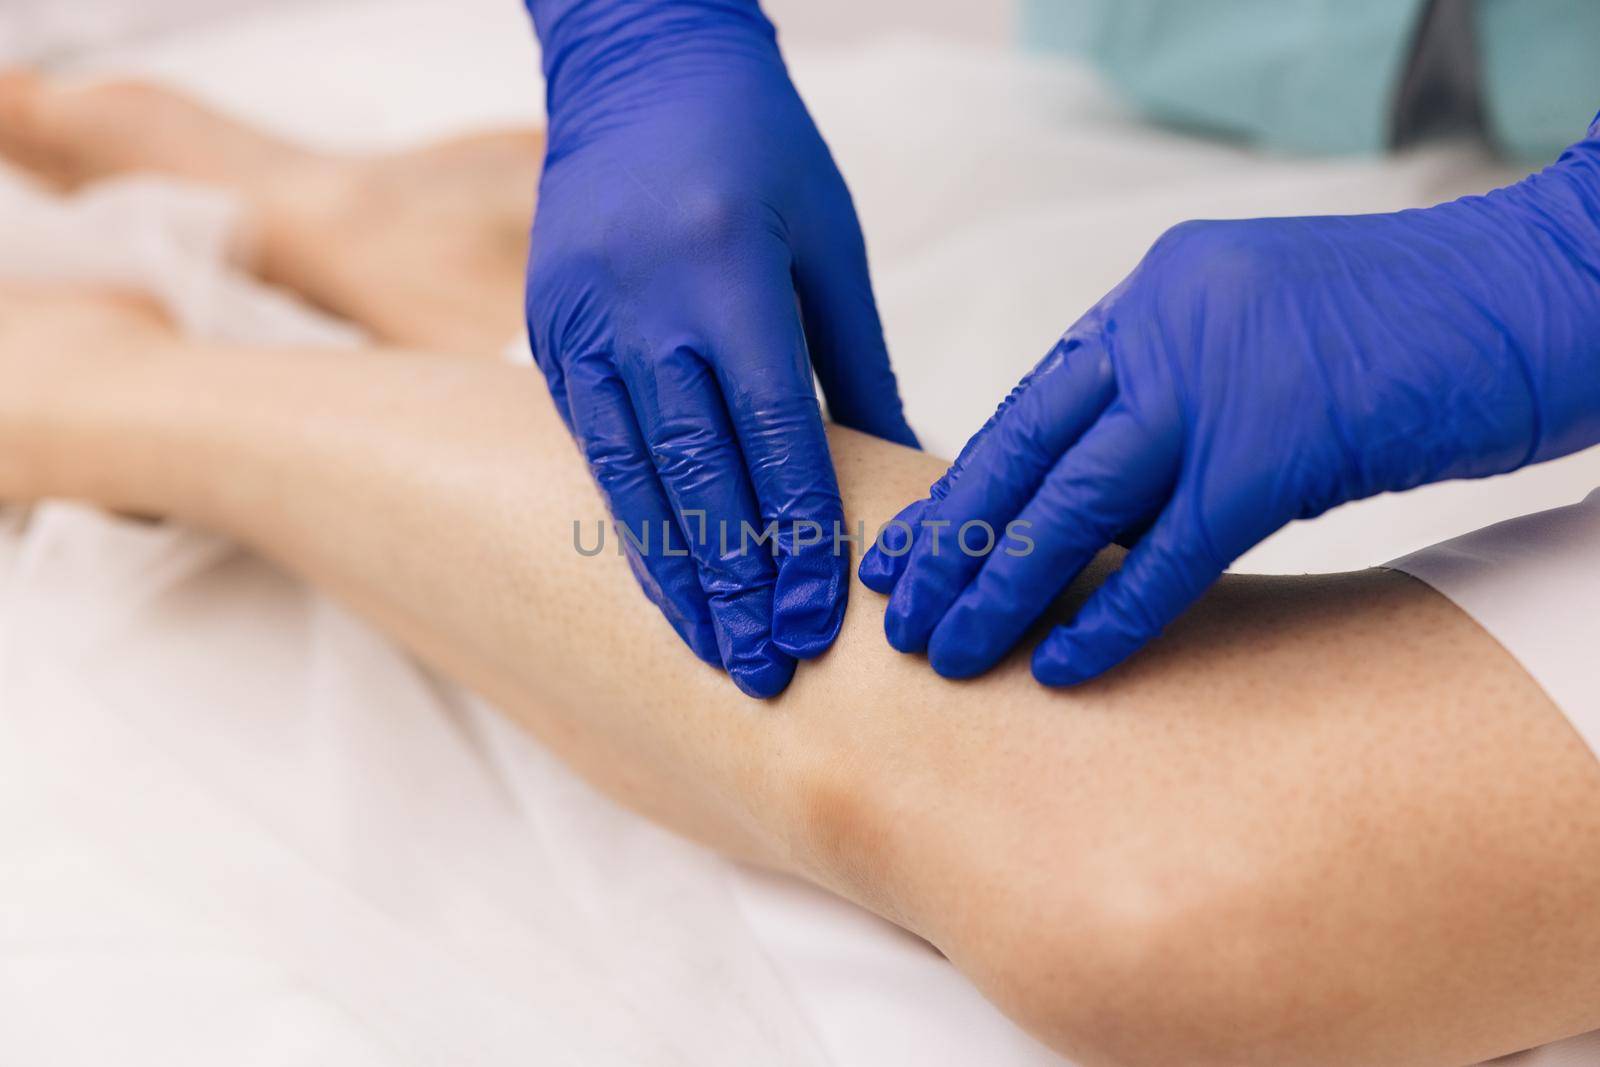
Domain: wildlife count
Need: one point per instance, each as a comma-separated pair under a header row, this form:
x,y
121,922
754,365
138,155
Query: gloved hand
x,y
695,257
1244,375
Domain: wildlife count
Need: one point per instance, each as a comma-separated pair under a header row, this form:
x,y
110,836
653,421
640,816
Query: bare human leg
x,y
1324,821
423,248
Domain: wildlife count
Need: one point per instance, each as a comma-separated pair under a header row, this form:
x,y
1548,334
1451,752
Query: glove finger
x,y
1164,574
609,434
885,559
765,378
879,566
885,569
1069,393
1114,477
845,337
698,460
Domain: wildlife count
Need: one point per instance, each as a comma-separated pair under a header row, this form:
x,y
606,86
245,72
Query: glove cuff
x,y
595,50
1559,212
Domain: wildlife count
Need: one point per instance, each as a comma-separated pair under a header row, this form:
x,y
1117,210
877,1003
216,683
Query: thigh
x,y
1324,820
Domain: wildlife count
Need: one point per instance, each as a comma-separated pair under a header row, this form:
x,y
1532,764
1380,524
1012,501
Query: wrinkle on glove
x,y
1247,374
696,257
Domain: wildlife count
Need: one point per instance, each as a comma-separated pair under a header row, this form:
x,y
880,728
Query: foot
x,y
70,136
423,248
56,344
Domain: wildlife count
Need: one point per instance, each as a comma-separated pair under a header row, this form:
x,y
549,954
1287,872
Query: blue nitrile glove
x,y
695,257
1244,375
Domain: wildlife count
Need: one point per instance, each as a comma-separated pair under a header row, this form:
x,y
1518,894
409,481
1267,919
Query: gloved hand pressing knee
x,y
1247,374
695,257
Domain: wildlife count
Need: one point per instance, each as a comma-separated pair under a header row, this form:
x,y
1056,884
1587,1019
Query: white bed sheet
x,y
237,826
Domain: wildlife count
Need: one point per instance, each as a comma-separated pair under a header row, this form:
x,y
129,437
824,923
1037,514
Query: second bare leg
x,y
423,248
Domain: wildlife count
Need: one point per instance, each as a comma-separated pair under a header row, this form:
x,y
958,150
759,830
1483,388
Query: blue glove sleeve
x,y
695,258
1246,374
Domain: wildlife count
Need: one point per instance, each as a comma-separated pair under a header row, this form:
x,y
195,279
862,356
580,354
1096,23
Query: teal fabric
x,y
1541,72
1058,25
1302,75
1321,75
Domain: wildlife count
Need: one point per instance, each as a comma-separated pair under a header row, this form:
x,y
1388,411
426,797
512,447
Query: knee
x,y
1148,968
1114,956
1121,942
